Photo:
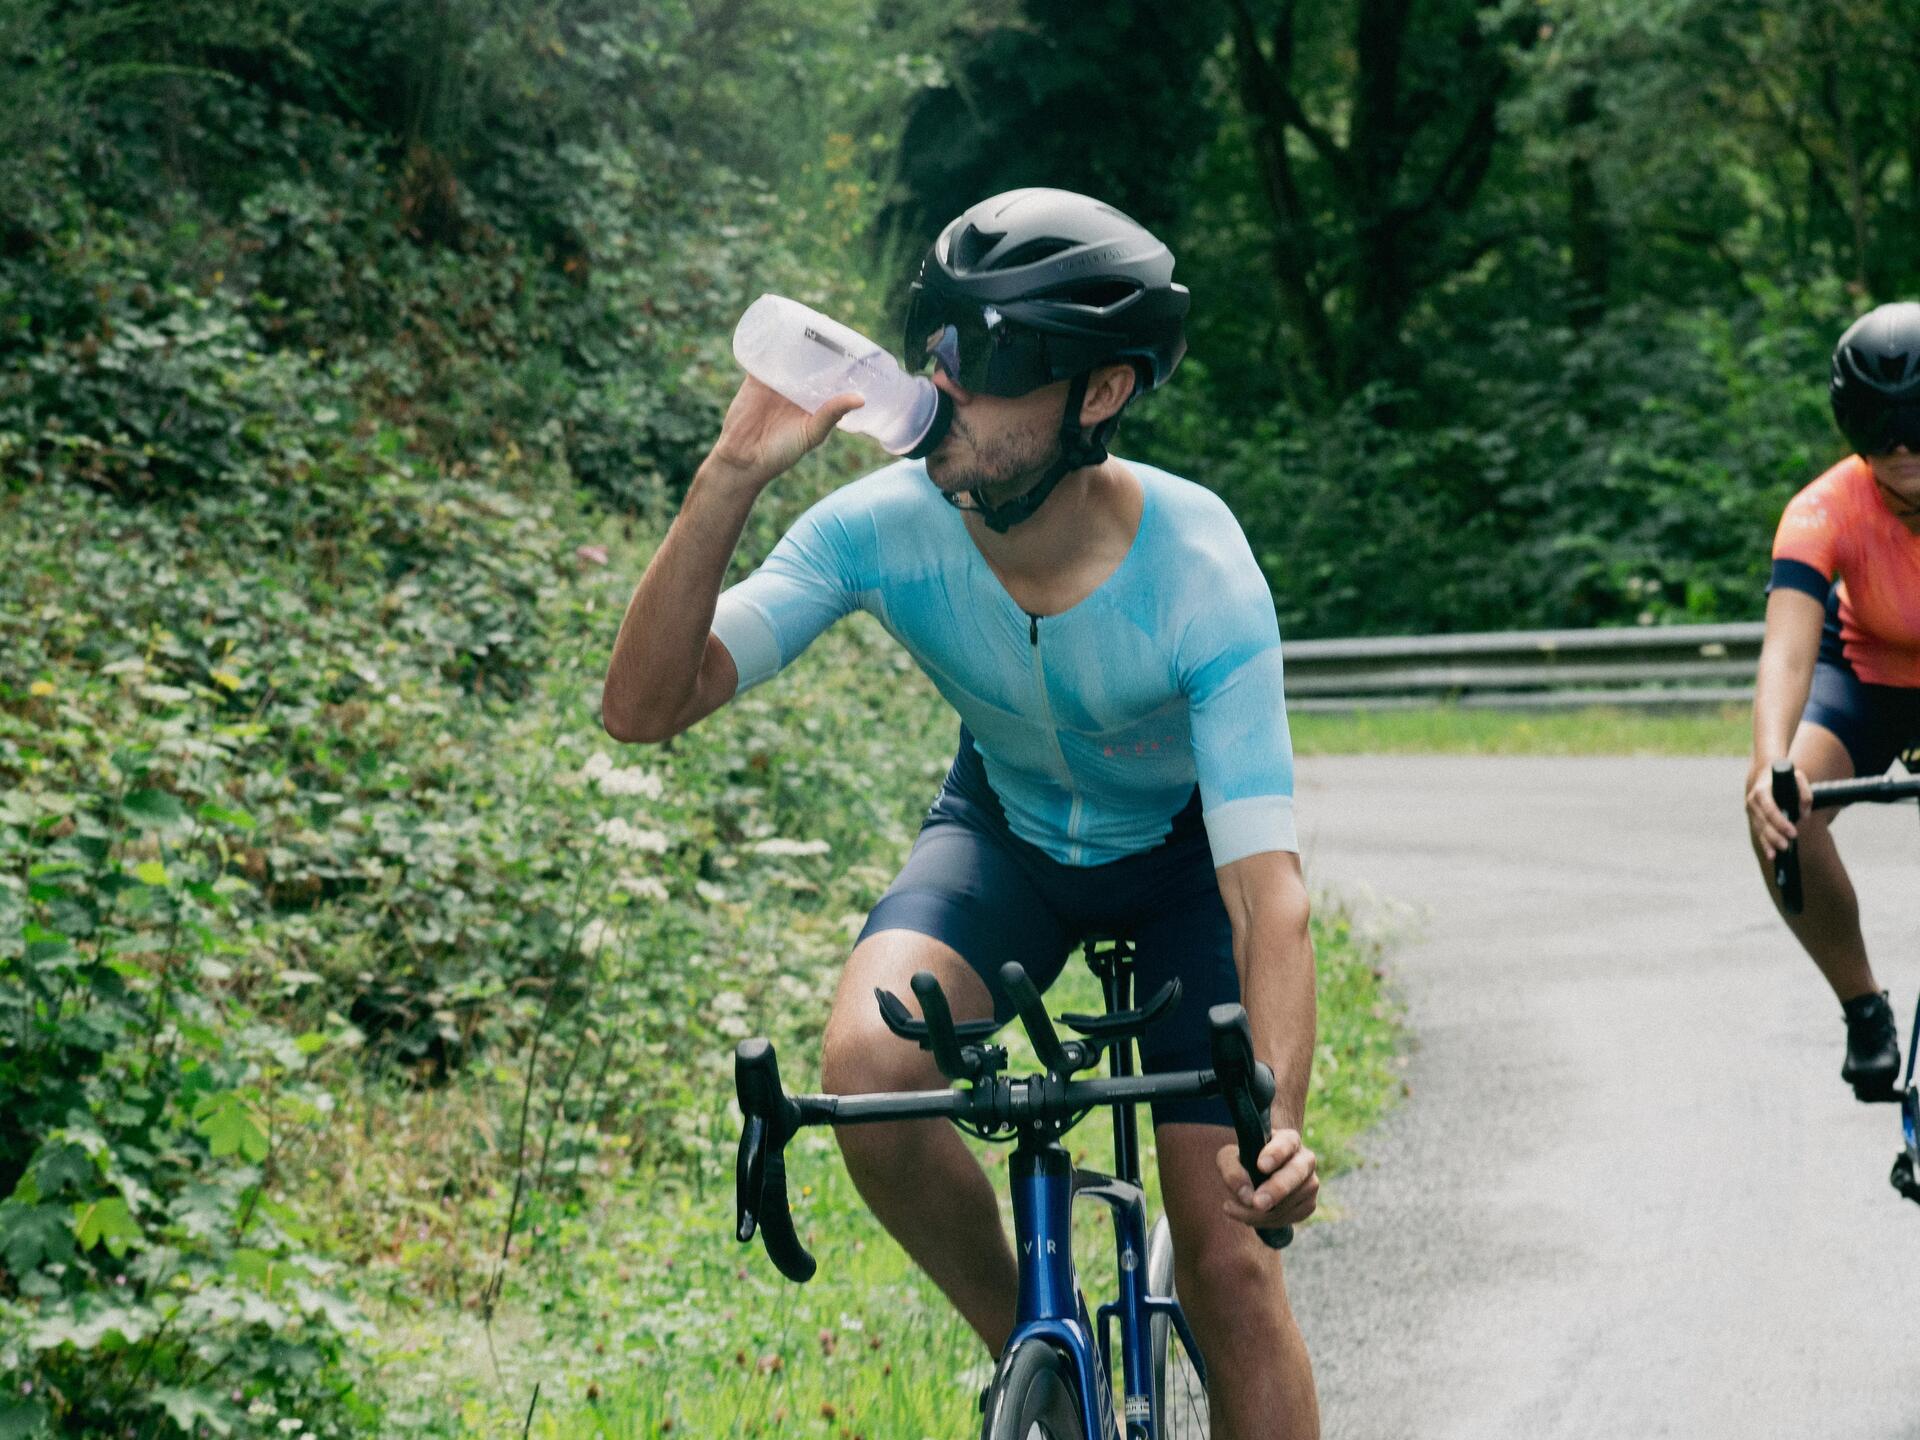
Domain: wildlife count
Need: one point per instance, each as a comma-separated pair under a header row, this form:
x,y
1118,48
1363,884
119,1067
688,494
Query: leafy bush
x,y
154,1274
1631,474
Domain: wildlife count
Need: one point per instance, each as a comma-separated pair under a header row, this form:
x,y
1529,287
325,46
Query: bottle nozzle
x,y
937,426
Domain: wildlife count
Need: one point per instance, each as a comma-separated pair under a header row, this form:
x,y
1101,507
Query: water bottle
x,y
810,358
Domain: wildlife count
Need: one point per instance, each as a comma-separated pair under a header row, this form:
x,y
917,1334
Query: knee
x,y
859,1057
1230,1276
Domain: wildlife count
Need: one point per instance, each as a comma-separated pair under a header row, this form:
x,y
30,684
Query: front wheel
x,y
1179,1397
1032,1397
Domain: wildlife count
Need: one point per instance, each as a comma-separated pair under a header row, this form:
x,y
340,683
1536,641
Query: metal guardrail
x,y
1528,669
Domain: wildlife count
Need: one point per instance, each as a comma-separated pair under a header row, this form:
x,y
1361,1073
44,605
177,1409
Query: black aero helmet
x,y
1039,285
1875,385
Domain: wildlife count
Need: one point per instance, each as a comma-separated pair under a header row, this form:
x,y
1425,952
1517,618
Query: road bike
x,y
1054,1380
1831,795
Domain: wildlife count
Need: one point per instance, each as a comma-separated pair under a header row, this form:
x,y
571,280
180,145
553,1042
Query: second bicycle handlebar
x,y
1828,795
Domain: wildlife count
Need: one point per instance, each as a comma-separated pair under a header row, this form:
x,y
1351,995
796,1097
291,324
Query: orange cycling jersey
x,y
1840,529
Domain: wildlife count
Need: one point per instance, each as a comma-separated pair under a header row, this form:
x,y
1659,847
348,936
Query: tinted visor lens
x,y
978,349
1881,434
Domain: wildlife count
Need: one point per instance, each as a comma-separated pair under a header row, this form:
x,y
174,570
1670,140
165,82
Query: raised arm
x,y
668,671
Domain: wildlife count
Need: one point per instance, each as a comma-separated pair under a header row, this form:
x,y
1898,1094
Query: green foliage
x,y
154,1275
1532,503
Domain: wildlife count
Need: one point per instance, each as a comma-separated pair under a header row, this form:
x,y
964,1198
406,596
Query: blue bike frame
x,y
1051,1309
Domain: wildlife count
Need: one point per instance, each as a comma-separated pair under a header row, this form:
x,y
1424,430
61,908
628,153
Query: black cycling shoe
x,y
1873,1048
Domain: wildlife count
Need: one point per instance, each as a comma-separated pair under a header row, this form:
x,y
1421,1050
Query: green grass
x,y
1449,730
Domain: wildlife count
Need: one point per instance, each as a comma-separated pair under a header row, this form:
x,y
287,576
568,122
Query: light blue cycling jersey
x,y
1094,724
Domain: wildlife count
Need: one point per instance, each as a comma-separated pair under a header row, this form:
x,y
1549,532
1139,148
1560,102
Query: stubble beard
x,y
1001,469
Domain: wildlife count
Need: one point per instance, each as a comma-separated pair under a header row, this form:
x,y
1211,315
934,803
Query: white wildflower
x,y
612,780
709,892
628,837
595,937
642,887
789,847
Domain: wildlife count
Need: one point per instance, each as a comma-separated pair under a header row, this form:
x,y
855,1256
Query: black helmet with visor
x,y
1036,286
1875,382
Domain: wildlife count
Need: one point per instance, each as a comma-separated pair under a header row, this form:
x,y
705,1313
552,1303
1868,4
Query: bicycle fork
x,y
1044,1186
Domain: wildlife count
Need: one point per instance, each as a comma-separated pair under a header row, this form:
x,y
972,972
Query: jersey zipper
x,y
1053,734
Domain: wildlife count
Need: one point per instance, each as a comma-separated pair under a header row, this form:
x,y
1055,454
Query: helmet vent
x,y
1094,294
1033,251
973,243
1890,371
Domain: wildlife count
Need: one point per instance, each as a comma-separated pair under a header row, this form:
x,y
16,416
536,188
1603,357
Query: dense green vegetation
x,y
366,1011
1506,312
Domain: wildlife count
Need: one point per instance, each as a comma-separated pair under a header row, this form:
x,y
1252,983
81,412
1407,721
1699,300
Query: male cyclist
x,y
1124,765
1841,660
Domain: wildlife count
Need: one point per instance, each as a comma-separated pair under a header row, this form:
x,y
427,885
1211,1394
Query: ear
x,y
1110,387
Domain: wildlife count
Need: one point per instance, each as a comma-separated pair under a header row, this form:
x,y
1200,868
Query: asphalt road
x,y
1628,1195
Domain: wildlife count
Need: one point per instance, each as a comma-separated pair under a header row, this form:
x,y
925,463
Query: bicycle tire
x,y
1179,1399
1032,1397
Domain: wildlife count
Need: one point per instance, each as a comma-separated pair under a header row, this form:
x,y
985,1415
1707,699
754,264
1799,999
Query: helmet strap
x,y
1079,448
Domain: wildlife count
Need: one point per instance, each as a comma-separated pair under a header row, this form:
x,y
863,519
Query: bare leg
x,y
1260,1381
1828,927
918,1177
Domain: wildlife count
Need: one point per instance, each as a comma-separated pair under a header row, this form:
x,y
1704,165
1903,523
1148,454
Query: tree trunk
x,y
1589,237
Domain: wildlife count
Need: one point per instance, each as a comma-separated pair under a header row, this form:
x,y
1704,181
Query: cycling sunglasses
x,y
977,347
1880,434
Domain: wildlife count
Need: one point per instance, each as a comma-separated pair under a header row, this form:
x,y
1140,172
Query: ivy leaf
x,y
189,1408
31,1235
256,1267
107,1221
87,1324
338,1313
224,1120
150,872
22,1419
154,810
59,1168
222,815
45,947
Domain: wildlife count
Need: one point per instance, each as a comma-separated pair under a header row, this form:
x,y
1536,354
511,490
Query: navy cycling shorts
x,y
1877,723
974,884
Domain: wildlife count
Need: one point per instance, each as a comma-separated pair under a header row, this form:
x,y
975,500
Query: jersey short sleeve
x,y
808,581
1230,670
1806,546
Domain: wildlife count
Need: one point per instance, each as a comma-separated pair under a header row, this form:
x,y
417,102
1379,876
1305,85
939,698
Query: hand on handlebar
x,y
1288,1190
1772,830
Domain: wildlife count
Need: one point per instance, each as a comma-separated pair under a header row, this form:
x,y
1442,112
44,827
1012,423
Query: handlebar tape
x,y
789,1256
1248,1087
1786,865
760,1173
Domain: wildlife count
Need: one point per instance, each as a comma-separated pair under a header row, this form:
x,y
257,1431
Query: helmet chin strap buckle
x,y
1078,450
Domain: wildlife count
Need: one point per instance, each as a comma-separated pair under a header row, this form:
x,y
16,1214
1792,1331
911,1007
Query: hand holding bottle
x,y
812,359
765,435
